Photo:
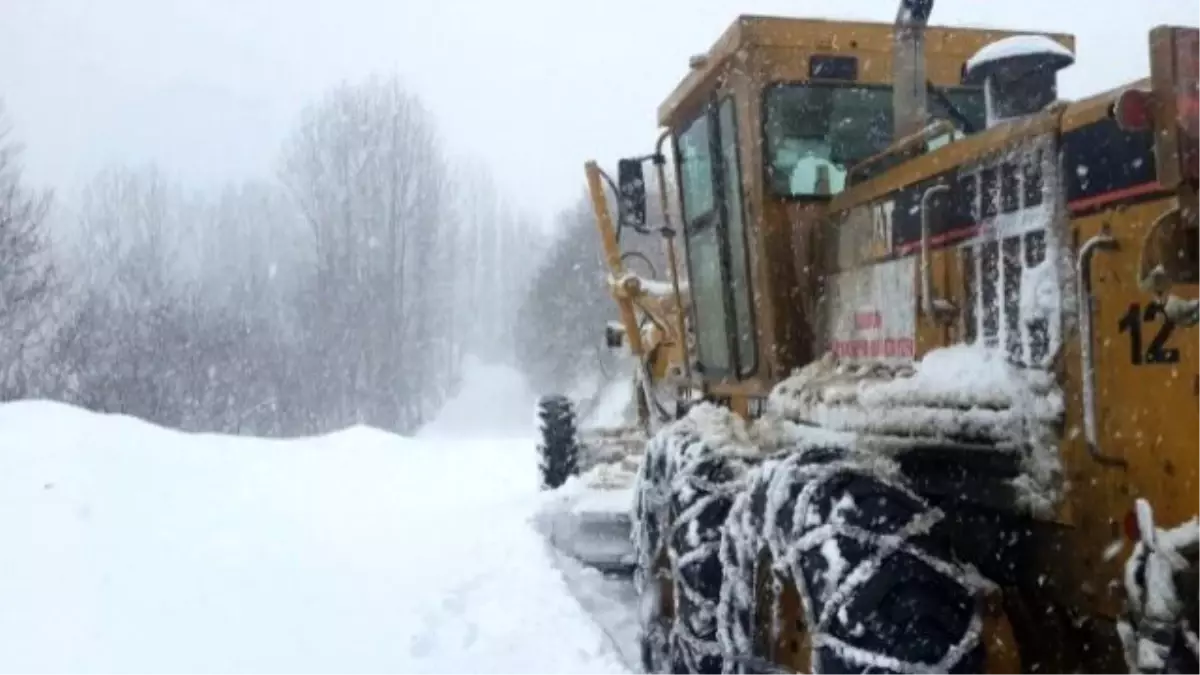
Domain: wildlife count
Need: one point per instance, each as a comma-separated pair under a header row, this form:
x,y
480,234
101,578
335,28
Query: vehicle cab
x,y
768,126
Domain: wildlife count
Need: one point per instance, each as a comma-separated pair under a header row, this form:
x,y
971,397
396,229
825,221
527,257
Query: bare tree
x,y
27,275
560,333
498,249
151,334
366,170
347,293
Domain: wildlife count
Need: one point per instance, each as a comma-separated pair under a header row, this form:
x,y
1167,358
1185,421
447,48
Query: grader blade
x,y
586,515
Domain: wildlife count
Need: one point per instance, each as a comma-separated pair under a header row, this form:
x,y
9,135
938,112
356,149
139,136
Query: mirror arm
x,y
659,159
616,191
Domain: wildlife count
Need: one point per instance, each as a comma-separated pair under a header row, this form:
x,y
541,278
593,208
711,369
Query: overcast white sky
x,y
208,88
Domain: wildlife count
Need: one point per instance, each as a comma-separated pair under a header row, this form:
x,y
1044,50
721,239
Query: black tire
x,y
558,449
685,491
829,519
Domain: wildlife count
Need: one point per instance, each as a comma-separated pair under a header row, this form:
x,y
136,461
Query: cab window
x,y
703,244
739,275
716,239
816,132
696,170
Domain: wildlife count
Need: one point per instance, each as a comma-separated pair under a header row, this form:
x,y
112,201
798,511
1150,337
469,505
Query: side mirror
x,y
631,200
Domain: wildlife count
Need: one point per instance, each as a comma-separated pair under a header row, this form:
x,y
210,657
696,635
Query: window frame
x,y
764,106
709,219
744,367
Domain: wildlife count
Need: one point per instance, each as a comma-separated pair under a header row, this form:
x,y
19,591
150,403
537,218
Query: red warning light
x,y
1187,80
1187,99
1132,531
1131,110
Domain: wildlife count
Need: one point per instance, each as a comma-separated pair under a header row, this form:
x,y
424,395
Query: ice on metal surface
x,y
959,392
653,287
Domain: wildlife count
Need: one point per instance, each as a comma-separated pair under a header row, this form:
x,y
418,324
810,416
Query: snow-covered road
x,y
129,548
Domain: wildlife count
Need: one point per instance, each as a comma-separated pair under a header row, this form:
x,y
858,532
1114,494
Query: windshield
x,y
816,132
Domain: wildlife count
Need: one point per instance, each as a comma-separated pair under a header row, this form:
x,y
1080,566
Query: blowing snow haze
x,y
208,89
306,339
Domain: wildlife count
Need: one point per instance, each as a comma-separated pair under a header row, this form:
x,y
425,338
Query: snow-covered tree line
x,y
564,312
27,273
562,316
344,289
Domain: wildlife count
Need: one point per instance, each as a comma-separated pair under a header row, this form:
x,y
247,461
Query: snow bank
x,y
130,548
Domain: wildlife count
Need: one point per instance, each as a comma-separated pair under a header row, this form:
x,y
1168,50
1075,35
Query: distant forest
x,y
345,289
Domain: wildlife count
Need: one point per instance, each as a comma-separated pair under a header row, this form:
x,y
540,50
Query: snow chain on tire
x,y
686,488
1159,627
558,450
878,591
649,520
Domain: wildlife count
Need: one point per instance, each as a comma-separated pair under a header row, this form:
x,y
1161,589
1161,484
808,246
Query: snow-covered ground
x,y
129,548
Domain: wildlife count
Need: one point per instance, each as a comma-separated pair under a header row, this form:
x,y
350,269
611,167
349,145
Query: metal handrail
x,y
1105,242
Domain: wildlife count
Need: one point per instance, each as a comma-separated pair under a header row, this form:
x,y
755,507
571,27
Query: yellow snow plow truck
x,y
939,411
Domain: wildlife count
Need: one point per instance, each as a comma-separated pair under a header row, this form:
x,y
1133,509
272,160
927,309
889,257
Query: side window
x,y
739,277
703,233
814,133
967,102
695,154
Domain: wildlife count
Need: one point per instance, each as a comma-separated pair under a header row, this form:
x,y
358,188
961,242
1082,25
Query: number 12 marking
x,y
1157,352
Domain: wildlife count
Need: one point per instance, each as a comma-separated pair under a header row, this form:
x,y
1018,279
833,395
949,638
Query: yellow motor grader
x,y
937,410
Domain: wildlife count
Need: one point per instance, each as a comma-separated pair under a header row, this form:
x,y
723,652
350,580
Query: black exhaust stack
x,y
909,99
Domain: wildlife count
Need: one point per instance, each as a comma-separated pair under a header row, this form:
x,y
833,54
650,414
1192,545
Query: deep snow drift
x,y
126,547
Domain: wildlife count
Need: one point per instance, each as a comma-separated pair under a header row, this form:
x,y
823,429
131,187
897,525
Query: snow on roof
x,y
1017,45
